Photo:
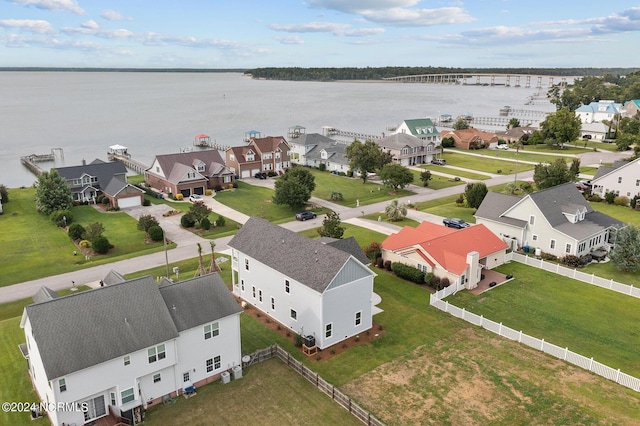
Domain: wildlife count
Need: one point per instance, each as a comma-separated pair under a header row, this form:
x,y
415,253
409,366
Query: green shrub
x,y
408,272
146,202
595,198
387,265
156,233
187,221
205,223
217,188
147,221
221,221
61,217
373,251
610,197
380,262
271,173
76,231
297,340
100,245
100,199
572,261
84,244
106,201
322,167
336,196
621,200
428,279
208,192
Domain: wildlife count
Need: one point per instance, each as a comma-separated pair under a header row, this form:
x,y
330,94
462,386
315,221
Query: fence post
x,y
618,375
574,272
566,351
500,330
520,337
542,345
610,283
593,277
481,319
463,311
591,364
631,289
446,306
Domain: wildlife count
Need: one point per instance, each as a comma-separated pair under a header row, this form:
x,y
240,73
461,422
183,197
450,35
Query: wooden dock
x,y
329,132
31,161
125,158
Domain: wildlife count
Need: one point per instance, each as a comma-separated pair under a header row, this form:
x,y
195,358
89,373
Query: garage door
x,y
245,174
123,203
254,171
199,190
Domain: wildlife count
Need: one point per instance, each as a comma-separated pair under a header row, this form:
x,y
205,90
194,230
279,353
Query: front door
x,y
95,407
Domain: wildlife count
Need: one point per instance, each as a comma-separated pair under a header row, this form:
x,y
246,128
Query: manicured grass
x,y
352,189
257,201
545,305
588,170
362,235
40,249
437,182
600,145
622,213
454,172
486,163
230,227
269,391
405,221
533,154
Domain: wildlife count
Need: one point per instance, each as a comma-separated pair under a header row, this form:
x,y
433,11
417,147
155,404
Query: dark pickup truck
x,y
455,223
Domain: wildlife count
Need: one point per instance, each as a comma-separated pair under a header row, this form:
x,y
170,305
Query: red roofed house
x,y
470,138
458,254
259,155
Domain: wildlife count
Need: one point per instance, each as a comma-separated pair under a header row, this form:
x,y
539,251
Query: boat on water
x,y
505,110
445,118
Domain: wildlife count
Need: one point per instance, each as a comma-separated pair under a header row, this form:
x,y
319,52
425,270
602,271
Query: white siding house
x,y
557,220
117,349
621,178
312,288
598,111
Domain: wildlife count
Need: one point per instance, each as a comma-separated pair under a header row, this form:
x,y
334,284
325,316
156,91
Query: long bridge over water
x,y
488,79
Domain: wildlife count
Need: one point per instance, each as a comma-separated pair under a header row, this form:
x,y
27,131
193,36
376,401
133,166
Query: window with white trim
x,y
209,365
157,377
126,360
156,353
328,330
112,397
287,289
242,284
246,264
273,304
62,384
260,295
358,318
294,314
127,395
253,291
217,362
534,237
567,248
186,377
552,244
532,220
211,330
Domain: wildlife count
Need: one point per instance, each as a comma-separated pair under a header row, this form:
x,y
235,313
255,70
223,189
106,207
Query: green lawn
x,y
536,155
600,145
486,163
352,189
588,170
257,201
622,213
603,325
437,182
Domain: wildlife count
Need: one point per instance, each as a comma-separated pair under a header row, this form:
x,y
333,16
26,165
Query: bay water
x,y
161,112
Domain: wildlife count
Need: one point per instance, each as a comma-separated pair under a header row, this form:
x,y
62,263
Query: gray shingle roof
x,y
400,140
495,204
113,277
605,170
351,246
44,294
311,139
98,168
305,260
175,166
198,301
88,328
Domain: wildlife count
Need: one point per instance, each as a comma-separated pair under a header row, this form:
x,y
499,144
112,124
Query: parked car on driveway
x,y
454,222
439,161
305,215
195,198
503,146
260,175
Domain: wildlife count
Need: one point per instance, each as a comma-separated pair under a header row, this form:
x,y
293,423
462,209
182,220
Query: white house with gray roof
x,y
409,150
557,220
117,349
312,288
621,178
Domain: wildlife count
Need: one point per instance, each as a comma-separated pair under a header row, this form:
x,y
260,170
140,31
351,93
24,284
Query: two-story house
x,y
115,350
271,153
621,178
598,111
87,181
314,289
409,150
459,255
188,173
556,220
421,128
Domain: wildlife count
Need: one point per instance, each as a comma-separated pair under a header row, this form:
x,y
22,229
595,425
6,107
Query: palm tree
x,y
214,266
395,210
200,264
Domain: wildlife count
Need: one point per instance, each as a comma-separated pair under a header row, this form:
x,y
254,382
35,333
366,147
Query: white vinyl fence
x,y
556,268
533,342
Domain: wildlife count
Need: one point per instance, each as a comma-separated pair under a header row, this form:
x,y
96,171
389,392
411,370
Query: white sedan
x,y
195,198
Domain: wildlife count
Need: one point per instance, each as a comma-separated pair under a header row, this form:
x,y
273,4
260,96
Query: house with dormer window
x,y
556,220
188,173
409,150
88,181
421,128
118,349
598,111
259,155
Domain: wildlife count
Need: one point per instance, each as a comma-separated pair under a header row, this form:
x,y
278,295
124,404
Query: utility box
x,y
237,372
225,377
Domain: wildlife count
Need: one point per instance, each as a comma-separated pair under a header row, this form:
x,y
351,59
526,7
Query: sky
x,y
247,34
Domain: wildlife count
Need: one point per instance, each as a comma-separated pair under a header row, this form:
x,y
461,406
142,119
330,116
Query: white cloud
x,y
54,5
294,39
37,26
113,15
356,6
90,24
310,27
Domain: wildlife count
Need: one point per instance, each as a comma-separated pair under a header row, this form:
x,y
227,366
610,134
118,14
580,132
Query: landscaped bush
x,y
380,262
61,217
572,261
106,201
610,197
155,233
448,143
373,251
621,201
595,198
101,245
178,197
428,279
548,256
408,272
271,173
634,202
444,282
217,188
208,192
100,199
350,173
146,202
147,221
187,221
235,184
84,244
336,196
76,231
387,265
322,167
297,340
221,221
205,223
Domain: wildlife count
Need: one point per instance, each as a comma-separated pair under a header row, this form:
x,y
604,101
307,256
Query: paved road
x,y
187,241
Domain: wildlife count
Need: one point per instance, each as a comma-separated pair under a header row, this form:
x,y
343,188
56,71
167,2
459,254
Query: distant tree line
x,y
378,73
610,86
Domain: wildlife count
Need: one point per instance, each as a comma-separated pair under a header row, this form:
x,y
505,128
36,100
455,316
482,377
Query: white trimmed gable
x,y
351,271
157,169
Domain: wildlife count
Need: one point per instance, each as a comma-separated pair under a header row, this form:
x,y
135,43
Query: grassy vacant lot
x,y
352,189
38,248
529,154
460,173
437,181
269,391
603,325
486,163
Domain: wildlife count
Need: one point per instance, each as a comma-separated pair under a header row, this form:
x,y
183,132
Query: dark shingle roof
x,y
44,294
88,328
198,301
605,170
305,260
175,166
98,168
495,204
311,139
351,246
113,277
